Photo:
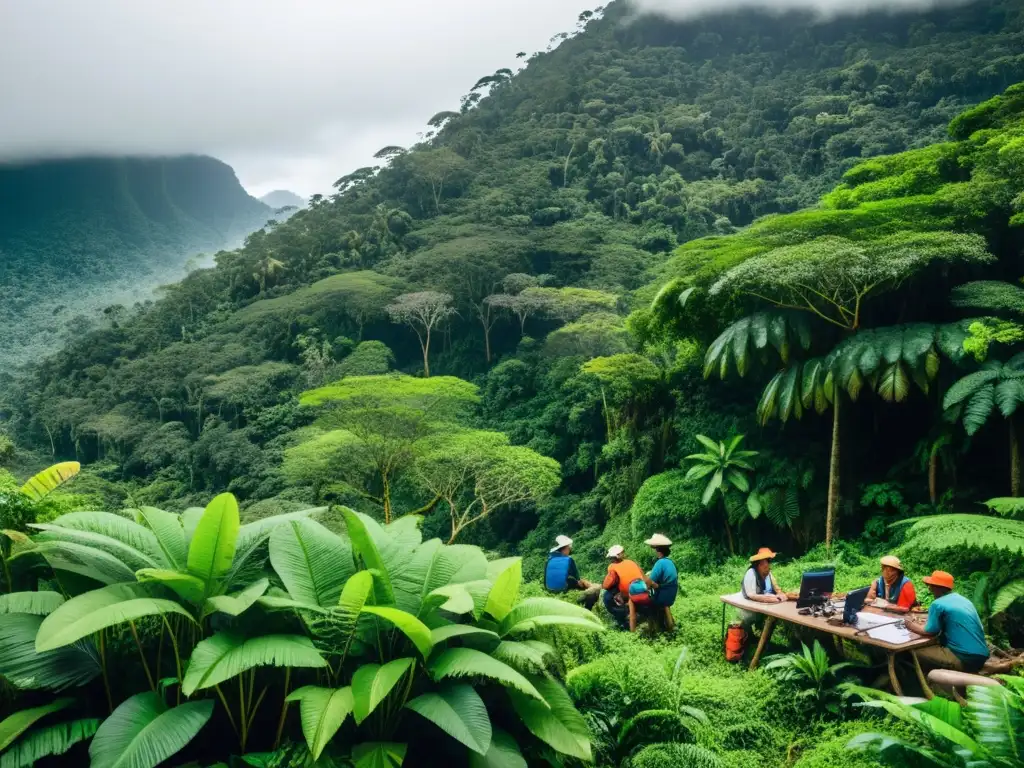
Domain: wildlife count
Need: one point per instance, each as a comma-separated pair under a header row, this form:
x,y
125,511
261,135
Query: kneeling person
x,y
621,573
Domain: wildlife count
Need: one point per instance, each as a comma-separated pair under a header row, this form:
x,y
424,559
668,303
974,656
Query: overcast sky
x,y
292,93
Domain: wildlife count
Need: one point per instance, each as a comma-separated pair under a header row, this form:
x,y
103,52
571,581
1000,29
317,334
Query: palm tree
x,y
976,396
727,466
266,267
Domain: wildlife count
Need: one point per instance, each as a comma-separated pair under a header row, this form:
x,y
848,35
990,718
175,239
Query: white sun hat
x,y
561,541
659,540
615,550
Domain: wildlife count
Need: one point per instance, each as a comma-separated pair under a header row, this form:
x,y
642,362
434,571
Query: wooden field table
x,y
787,611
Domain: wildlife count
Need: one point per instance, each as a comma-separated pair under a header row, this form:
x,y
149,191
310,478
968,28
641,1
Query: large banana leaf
x,y
408,624
449,631
250,549
372,683
312,562
213,545
25,668
102,608
184,585
79,559
142,732
37,603
459,711
136,537
546,611
454,598
524,655
323,711
238,603
996,715
227,654
503,753
505,592
432,567
364,546
553,718
469,662
169,533
378,754
39,485
131,557
14,725
45,742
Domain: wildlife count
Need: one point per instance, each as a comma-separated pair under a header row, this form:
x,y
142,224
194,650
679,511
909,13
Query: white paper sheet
x,y
866,620
891,633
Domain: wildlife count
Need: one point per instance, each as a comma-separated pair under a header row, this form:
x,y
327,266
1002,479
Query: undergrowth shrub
x,y
676,756
667,503
632,681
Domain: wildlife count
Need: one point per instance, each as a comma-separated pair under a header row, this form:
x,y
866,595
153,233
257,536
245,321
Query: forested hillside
x,y
80,235
576,176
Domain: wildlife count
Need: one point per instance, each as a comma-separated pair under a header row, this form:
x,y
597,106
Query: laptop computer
x,y
854,602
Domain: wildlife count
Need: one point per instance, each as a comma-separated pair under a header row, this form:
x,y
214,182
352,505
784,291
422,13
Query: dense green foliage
x,y
509,330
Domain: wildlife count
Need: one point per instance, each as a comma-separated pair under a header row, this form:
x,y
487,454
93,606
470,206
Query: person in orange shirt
x,y
893,587
621,573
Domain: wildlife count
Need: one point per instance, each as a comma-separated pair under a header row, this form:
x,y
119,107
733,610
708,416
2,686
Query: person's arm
x,y
934,626
572,576
611,580
778,590
872,592
750,587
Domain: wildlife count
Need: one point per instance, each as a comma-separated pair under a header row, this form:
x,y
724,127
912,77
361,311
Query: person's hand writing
x,y
782,598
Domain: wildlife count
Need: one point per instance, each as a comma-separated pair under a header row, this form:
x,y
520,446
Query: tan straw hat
x,y
893,562
659,540
763,554
615,550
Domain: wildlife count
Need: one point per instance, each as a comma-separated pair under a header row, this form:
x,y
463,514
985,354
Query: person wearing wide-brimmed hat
x,y
954,620
893,587
561,574
660,586
621,573
759,582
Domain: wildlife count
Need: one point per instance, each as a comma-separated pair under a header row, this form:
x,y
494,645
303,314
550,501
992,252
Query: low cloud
x,y
689,9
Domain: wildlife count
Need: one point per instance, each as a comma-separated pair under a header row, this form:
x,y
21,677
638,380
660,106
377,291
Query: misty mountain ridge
x,y
81,234
283,198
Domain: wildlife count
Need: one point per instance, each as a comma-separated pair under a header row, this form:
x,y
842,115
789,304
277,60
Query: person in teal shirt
x,y
954,620
663,580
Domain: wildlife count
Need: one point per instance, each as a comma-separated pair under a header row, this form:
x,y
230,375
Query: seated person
x,y
954,620
561,574
893,587
759,583
621,573
659,587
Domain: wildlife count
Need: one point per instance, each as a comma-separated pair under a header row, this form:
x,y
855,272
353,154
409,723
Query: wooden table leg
x,y
895,681
766,633
928,693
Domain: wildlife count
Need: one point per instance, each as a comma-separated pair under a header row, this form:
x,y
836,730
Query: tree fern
x,y
738,344
45,742
1007,595
940,533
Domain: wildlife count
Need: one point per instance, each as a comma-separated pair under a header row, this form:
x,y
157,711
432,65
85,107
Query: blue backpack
x,y
556,573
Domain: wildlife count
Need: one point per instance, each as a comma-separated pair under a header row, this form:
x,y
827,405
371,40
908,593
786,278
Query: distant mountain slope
x,y
282,198
82,234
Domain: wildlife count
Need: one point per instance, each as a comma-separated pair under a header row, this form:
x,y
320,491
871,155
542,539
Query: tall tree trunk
x,y
833,477
426,356
386,497
728,532
1014,458
933,476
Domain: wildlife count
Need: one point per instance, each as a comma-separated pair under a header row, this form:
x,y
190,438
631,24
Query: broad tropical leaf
x,y
459,711
408,624
51,478
312,562
125,553
378,754
1007,596
142,732
98,528
323,712
37,603
107,607
503,753
524,655
469,662
454,598
14,725
169,533
554,718
79,559
372,683
213,545
250,552
449,631
189,588
45,742
238,603
364,547
997,721
227,654
523,617
505,591
25,668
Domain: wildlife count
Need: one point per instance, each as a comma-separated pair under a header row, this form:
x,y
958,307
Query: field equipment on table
x,y
816,587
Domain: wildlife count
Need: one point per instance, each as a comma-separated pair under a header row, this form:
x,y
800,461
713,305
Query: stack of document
x,y
867,620
891,633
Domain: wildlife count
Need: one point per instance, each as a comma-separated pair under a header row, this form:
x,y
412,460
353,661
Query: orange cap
x,y
940,579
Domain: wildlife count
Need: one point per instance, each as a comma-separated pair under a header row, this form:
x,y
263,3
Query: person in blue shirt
x,y
954,620
561,574
662,581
